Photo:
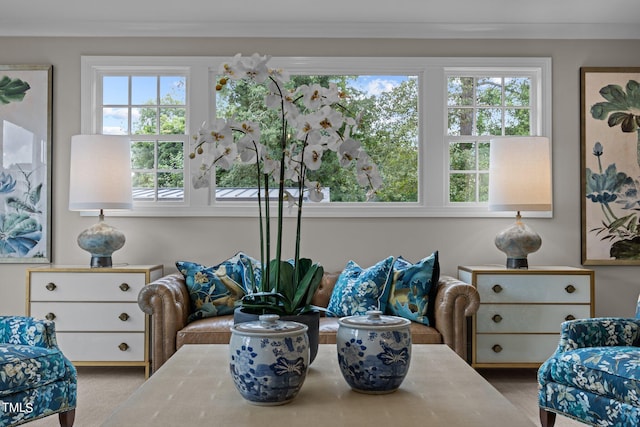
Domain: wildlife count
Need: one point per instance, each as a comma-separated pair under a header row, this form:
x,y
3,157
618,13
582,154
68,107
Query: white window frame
x,y
434,153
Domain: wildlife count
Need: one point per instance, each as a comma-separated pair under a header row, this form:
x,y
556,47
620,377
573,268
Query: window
x,y
388,132
427,124
481,105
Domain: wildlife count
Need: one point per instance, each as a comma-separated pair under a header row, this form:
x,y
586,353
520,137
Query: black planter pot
x,y
312,320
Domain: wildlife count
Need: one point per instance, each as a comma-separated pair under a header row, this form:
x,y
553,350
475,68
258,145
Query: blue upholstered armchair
x,y
36,380
594,375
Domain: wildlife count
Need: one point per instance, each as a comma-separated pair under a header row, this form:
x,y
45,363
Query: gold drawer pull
x,y
124,287
496,348
570,289
50,316
497,289
570,317
497,318
124,317
123,346
51,286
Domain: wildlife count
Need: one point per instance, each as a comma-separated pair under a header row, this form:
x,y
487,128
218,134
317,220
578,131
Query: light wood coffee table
x,y
194,388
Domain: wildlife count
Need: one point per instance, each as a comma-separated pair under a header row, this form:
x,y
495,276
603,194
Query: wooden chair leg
x,y
547,418
67,418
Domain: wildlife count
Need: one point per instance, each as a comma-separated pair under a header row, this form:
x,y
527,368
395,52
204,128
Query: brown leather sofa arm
x,y
455,301
166,300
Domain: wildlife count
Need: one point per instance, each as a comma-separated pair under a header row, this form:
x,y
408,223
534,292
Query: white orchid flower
x,y
315,191
303,124
279,75
219,133
234,70
332,94
368,174
311,96
348,151
313,156
328,141
329,119
255,67
248,149
274,97
201,180
225,155
271,166
293,167
250,130
291,201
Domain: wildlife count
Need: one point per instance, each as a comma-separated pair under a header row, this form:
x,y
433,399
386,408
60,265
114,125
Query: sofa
x,y
167,301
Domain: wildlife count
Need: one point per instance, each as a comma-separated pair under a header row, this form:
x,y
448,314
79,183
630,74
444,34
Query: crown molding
x,y
379,30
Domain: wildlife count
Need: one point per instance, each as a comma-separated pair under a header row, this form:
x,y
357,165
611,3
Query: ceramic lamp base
x,y
101,240
517,241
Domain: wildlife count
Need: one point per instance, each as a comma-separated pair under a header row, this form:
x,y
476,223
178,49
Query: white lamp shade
x,y
100,172
520,174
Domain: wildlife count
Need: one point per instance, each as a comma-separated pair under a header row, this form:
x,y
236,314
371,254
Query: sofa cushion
x,y
412,289
24,367
609,371
420,334
213,291
359,290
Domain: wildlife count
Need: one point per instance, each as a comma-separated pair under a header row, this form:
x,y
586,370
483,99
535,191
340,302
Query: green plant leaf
x,y
626,249
12,90
21,206
34,196
614,94
305,286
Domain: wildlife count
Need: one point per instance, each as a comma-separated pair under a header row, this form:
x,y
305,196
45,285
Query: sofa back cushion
x,y
323,293
413,288
359,290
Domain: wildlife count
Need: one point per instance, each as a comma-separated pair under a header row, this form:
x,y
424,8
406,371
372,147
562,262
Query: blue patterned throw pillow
x,y
213,291
412,290
359,290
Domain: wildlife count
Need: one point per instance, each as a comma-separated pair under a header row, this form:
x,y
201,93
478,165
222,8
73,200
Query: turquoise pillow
x,y
359,290
214,291
413,287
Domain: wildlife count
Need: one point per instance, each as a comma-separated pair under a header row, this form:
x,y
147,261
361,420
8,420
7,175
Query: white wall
x,y
329,241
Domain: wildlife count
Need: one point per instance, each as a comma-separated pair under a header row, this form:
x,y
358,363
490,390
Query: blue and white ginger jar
x,y
374,351
269,359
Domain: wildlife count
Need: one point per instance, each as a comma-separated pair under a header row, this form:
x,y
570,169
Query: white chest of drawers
x,y
98,321
518,322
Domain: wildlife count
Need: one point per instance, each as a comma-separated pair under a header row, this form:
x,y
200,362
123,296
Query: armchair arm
x,y
455,301
21,330
166,300
599,332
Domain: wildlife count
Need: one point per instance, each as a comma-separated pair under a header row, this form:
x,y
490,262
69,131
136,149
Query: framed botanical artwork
x,y
610,165
25,171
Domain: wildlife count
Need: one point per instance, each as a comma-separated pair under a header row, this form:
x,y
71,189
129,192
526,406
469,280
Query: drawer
x,y
75,286
99,347
104,316
527,318
525,348
541,288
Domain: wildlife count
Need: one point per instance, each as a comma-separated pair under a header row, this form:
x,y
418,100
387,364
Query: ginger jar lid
x,y
374,320
269,325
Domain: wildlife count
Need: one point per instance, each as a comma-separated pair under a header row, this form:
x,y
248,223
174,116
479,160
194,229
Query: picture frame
x,y
610,165
25,168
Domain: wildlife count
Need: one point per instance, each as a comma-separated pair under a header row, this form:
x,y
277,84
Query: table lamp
x,y
519,180
100,178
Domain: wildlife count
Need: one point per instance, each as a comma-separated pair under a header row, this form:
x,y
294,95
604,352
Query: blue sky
x,y
375,85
